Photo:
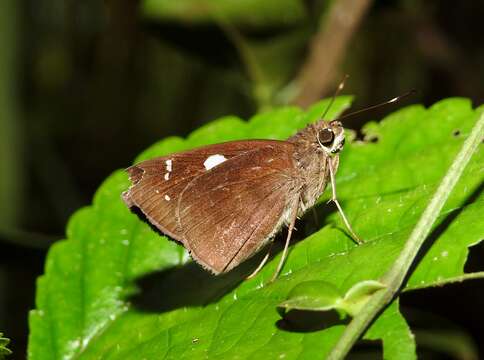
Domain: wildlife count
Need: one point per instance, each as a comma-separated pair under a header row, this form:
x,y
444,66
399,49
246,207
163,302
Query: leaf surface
x,y
115,289
239,12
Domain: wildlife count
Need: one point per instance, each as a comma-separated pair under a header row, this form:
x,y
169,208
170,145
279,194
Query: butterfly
x,y
224,202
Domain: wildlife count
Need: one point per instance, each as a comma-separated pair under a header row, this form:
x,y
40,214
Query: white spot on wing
x,y
167,176
167,198
169,164
213,160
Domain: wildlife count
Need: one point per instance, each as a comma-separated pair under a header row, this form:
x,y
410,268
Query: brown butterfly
x,y
224,202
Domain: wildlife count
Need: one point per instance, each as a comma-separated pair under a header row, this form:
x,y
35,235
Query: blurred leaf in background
x,y
4,351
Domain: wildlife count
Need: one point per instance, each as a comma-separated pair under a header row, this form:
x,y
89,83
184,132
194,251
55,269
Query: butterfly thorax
x,y
315,146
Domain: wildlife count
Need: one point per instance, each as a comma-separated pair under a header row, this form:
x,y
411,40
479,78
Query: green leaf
x,y
323,296
313,295
4,351
392,329
238,12
116,289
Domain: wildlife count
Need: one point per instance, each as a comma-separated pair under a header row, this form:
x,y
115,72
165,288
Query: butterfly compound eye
x,y
326,136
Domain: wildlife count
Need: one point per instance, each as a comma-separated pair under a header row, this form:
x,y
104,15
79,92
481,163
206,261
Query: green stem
x,y
395,276
451,280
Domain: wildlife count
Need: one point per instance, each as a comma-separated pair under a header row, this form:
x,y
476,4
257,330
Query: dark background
x,y
85,86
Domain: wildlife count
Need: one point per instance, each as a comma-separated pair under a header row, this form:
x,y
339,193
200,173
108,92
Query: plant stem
x,y
327,49
450,280
395,276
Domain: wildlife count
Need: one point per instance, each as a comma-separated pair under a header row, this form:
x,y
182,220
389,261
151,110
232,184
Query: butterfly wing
x,y
158,183
227,214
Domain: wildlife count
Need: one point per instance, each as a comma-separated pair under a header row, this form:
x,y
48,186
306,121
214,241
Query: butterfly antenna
x,y
336,93
391,101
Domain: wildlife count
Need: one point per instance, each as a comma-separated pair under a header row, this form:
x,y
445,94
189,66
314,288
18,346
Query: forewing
x,y
158,183
227,214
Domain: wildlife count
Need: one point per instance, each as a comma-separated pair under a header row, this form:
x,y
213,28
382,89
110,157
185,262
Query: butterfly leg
x,y
288,239
340,209
262,263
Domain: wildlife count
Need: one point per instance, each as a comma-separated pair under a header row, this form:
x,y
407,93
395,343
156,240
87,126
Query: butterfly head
x,y
331,137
